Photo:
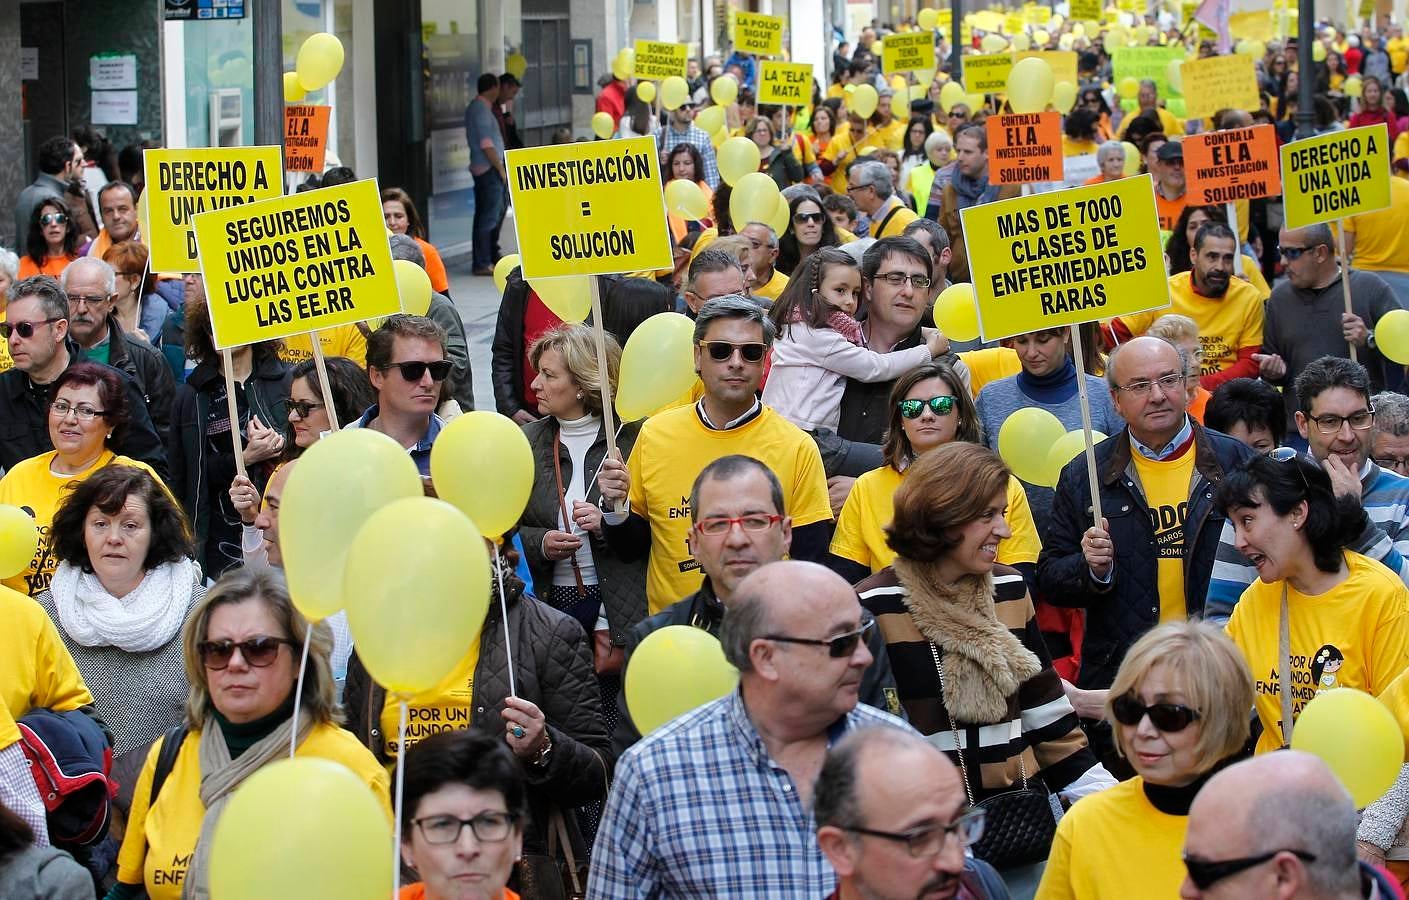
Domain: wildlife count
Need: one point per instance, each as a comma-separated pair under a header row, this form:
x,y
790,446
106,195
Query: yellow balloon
x,y
293,91
1257,49
1241,48
482,464
1129,88
718,138
1024,441
304,821
414,286
1063,96
624,64
1392,335
863,100
657,366
992,43
1174,74
919,91
675,670
1353,86
1068,447
754,199
502,268
956,312
646,91
1066,41
1132,158
950,94
927,18
1030,85
602,125
724,90
144,213
417,585
568,296
1040,38
778,221
319,60
898,84
1318,51
686,200
1356,736
19,538
674,91
710,119
338,483
738,157
1021,41
1078,30
516,65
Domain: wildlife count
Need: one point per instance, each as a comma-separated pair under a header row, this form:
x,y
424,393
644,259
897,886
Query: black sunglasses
x,y
1167,717
414,371
841,646
257,651
24,329
720,351
1205,873
913,409
1289,455
53,219
803,217
304,407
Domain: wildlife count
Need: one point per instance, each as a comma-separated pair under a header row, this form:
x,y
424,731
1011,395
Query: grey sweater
x,y
44,873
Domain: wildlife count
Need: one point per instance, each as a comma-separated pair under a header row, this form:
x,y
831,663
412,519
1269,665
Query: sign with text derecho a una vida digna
x,y
1066,257
181,184
589,208
1332,176
296,264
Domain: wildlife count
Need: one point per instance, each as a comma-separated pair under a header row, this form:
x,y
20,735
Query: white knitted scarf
x,y
146,619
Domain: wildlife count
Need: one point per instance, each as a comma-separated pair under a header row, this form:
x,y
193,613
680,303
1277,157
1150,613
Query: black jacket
x,y
622,582
703,610
507,350
24,420
1120,612
553,670
145,365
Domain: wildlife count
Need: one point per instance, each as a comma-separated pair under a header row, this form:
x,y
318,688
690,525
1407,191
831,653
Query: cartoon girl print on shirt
x,y
1324,666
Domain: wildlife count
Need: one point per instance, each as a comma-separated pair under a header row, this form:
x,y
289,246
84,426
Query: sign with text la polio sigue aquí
x,y
296,264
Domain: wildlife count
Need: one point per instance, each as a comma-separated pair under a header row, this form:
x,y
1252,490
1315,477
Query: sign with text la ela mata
x,y
296,264
785,83
181,184
1336,175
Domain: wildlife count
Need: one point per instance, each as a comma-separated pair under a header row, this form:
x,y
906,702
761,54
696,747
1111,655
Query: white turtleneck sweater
x,y
577,436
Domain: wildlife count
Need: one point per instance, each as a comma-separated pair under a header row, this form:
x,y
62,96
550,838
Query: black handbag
x,y
542,876
1019,824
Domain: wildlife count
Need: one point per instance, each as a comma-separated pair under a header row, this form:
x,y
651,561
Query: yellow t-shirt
x,y
1226,324
1253,271
841,147
1382,237
446,707
989,364
157,848
870,507
772,289
1114,845
9,731
707,237
1396,697
1166,487
1401,147
36,670
340,340
1171,126
1398,50
1071,147
671,450
893,135
894,222
1354,635
32,486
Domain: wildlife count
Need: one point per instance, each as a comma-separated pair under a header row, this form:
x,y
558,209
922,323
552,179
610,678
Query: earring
x,y
579,395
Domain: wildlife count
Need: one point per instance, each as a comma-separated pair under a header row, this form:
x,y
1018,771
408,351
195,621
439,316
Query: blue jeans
x,y
490,203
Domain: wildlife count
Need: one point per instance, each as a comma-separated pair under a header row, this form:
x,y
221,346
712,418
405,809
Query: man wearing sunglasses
x,y
716,804
60,162
37,328
406,364
1277,826
682,130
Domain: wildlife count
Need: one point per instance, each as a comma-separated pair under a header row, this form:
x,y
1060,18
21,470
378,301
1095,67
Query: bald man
x,y
1276,826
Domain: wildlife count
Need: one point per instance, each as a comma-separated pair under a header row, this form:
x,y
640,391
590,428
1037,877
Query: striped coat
x,y
1041,725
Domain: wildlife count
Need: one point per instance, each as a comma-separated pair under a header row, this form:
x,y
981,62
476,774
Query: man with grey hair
x,y
1110,160
732,337
712,273
716,803
761,254
442,312
1391,448
871,187
1276,826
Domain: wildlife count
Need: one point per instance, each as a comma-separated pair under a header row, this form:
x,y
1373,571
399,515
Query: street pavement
x,y
477,299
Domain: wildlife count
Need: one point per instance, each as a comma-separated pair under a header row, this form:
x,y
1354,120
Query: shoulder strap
x,y
166,759
886,221
1284,675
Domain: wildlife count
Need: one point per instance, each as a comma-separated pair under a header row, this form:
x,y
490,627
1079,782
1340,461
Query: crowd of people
x,y
952,682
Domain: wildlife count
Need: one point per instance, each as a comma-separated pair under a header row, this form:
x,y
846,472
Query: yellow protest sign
x,y
1039,15
757,33
946,20
987,73
589,208
1066,257
184,183
1219,82
291,265
1086,10
1014,23
1252,26
1336,175
656,60
789,84
911,52
1063,63
986,20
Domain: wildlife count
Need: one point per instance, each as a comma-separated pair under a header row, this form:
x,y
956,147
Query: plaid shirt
x,y
698,809
669,137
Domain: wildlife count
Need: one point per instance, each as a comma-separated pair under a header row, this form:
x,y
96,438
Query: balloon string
x,y
593,479
400,791
298,688
504,611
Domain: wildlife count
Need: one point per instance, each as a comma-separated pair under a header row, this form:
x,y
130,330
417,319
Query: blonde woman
x,y
1183,333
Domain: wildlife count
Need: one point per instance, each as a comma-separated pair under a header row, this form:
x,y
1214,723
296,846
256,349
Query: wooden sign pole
x,y
234,407
1092,477
608,414
1345,276
321,365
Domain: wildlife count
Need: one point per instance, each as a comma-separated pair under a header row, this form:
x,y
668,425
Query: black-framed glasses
x,y
721,351
913,409
923,843
415,370
1359,421
84,412
1142,388
896,279
1205,873
302,408
487,827
1167,717
1394,463
24,329
54,219
803,218
259,652
838,647
714,526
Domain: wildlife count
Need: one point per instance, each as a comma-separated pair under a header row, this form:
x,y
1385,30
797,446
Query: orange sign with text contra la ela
x,y
1237,164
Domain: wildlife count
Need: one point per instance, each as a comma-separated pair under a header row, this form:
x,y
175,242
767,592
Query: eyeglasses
x,y
416,370
83,412
1167,384
1206,873
82,299
929,842
1360,421
53,219
24,329
302,408
839,647
258,651
489,827
1167,717
714,526
896,279
913,409
720,351
1289,455
803,218
1391,462
1292,254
